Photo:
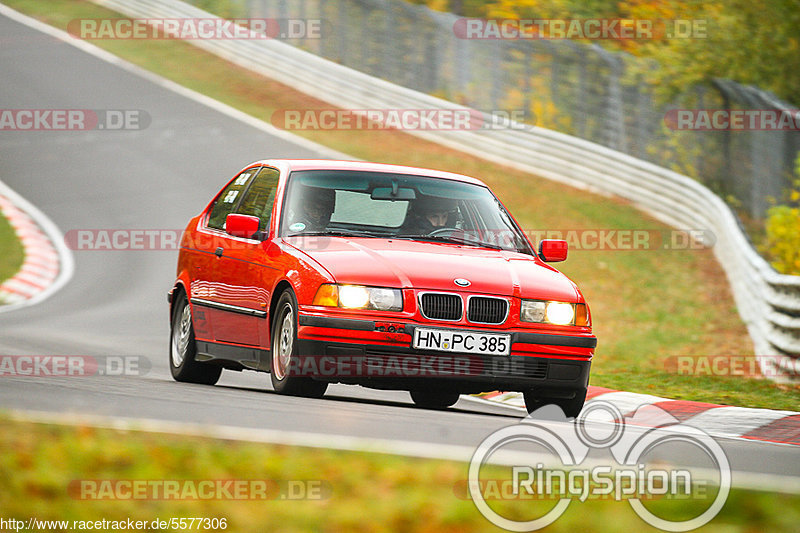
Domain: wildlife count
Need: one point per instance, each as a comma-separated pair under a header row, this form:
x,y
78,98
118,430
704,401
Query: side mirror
x,y
553,250
241,225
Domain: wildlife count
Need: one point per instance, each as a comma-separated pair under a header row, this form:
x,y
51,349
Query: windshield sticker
x,y
230,197
241,180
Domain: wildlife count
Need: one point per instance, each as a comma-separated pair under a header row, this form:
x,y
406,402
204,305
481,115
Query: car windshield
x,y
401,206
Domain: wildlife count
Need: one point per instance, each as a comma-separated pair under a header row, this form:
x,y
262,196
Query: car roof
x,y
289,165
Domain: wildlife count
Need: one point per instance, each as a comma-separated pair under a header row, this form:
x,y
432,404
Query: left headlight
x,y
558,313
359,297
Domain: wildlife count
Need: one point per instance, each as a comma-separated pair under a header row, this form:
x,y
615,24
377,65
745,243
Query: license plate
x,y
446,340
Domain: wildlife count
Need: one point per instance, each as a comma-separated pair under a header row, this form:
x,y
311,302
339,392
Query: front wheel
x,y
182,349
284,352
571,406
434,400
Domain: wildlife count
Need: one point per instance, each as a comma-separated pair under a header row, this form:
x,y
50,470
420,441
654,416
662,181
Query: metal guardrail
x,y
768,302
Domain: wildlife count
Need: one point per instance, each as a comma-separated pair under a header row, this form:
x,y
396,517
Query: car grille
x,y
531,367
441,306
486,310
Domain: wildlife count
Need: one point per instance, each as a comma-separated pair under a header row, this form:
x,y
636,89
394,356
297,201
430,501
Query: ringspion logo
x,y
628,475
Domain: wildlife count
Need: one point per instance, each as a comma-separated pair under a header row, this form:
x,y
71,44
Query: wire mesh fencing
x,y
575,88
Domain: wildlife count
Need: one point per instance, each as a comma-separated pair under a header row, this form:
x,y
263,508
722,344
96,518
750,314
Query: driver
x,y
312,209
428,214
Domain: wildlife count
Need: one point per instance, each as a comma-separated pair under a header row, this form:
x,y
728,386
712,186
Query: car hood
x,y
435,266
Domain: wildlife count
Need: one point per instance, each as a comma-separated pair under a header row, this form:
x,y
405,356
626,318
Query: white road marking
x,y
734,421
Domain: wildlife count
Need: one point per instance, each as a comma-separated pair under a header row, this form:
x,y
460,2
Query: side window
x,y
260,197
228,199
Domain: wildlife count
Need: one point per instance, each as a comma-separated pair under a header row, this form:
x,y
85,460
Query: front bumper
x,y
379,354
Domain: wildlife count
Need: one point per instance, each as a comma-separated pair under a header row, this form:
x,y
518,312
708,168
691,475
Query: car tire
x,y
182,349
434,400
284,348
571,406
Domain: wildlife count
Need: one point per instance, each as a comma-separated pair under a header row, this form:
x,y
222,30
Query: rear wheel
x,y
434,400
182,349
284,352
571,406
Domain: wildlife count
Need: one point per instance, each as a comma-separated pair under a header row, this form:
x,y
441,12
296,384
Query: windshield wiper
x,y
451,239
432,238
337,233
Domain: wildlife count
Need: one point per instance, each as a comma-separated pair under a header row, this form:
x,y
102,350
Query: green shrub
x,y
783,238
783,231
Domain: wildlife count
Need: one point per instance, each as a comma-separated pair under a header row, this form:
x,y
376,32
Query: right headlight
x,y
359,297
558,313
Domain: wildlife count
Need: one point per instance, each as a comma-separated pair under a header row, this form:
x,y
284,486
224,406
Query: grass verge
x,y
647,305
11,251
41,462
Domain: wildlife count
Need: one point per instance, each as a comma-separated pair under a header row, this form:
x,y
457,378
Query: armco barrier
x,y
768,302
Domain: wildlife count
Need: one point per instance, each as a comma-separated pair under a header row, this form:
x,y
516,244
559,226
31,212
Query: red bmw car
x,y
385,276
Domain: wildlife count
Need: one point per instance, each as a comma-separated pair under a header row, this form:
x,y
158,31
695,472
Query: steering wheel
x,y
444,232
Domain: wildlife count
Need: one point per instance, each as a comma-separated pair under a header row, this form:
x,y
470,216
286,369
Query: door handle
x,y
219,251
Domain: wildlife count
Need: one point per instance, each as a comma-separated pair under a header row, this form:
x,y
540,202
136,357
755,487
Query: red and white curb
x,y
40,266
717,420
48,264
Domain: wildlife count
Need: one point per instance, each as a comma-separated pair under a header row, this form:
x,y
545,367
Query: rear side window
x,y
229,198
260,197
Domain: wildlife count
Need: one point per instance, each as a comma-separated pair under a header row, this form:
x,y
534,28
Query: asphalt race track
x,y
115,304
